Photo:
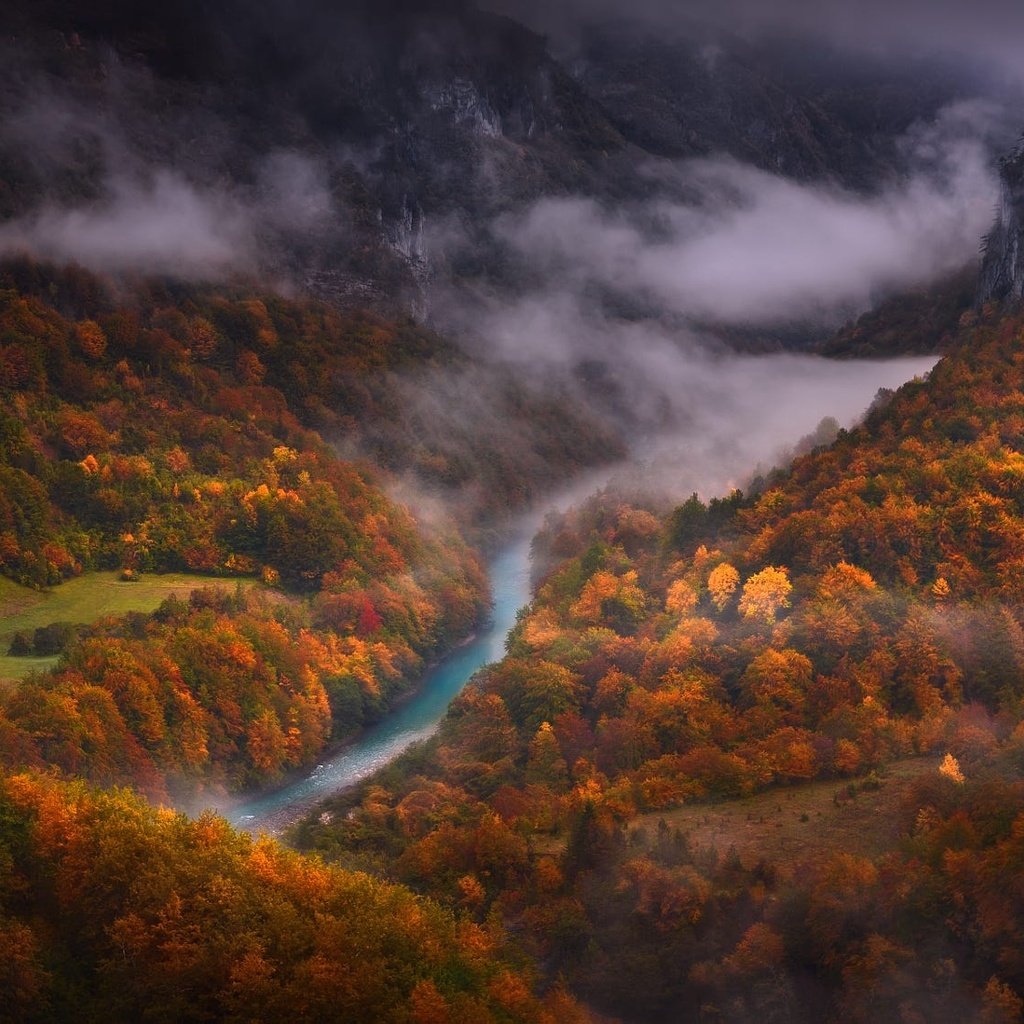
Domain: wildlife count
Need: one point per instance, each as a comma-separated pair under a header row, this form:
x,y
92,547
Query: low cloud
x,y
626,307
164,226
752,248
108,186
745,414
293,193
700,418
161,223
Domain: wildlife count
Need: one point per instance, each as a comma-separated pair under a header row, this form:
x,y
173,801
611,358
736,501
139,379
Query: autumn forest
x,y
330,334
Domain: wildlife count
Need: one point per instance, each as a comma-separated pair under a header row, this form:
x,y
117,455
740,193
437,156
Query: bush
x,y
21,645
53,639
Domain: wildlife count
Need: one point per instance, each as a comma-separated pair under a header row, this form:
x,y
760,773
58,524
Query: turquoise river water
x,y
414,720
746,418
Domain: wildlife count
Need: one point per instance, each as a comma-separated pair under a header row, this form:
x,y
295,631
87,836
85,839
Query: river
x,y
723,442
414,720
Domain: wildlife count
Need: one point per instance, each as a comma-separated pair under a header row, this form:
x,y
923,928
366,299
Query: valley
x,y
511,512
415,719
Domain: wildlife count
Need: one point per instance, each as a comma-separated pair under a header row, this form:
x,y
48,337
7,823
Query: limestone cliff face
x,y
413,113
421,116
1002,272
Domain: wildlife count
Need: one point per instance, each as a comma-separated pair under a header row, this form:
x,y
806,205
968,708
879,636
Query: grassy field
x,y
788,826
84,600
803,822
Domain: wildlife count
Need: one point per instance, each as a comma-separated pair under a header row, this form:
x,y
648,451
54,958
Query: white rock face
x,y
1002,274
405,235
468,109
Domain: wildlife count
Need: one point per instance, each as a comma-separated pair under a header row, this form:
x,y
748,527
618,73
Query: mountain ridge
x,y
414,119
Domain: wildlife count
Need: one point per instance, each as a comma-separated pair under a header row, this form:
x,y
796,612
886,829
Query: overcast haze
x,y
634,289
980,30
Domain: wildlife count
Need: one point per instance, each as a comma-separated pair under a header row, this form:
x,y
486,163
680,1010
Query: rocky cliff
x,y
411,119
1002,273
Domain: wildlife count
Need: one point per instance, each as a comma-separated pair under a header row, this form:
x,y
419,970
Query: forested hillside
x,y
113,911
862,607
167,432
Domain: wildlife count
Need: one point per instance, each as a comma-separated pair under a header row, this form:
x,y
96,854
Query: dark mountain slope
x,y
807,116
414,117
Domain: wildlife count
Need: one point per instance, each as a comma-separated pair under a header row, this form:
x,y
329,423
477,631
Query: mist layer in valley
x,y
596,270
511,258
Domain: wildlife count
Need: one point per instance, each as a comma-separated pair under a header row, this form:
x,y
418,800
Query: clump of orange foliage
x,y
862,606
111,910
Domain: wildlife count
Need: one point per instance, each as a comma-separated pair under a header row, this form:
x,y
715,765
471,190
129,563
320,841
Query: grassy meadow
x,y
84,600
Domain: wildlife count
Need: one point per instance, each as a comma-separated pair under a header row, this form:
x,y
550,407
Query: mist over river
x,y
753,408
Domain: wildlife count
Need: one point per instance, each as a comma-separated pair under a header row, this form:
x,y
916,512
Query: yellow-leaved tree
x,y
681,598
722,584
950,767
765,593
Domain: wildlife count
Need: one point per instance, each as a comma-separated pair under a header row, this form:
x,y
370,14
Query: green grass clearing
x,y
83,600
790,825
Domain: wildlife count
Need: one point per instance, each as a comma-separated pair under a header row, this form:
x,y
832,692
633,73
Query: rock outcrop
x,y
1002,272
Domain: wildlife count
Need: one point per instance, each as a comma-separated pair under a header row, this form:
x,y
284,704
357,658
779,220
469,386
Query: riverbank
x,y
412,719
230,804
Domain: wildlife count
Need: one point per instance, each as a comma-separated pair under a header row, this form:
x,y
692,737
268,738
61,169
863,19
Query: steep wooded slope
x,y
862,606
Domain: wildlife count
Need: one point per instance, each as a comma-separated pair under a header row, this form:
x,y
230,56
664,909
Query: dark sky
x,y
990,31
